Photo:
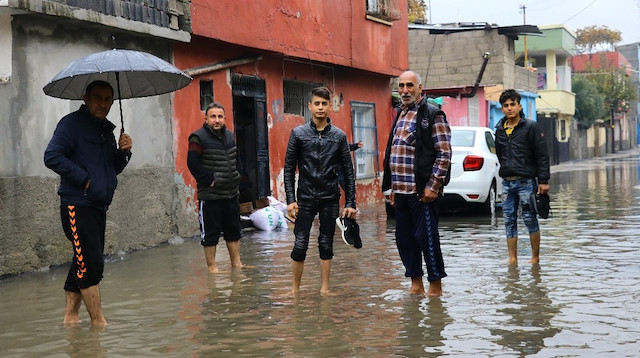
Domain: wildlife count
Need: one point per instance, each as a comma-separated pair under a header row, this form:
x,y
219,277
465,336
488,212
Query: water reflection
x,y
582,300
528,311
84,342
423,324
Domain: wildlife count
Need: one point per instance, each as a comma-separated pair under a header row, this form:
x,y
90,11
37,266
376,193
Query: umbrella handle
x,y
120,102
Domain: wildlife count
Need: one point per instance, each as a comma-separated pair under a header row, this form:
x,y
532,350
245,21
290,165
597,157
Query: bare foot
x,y
243,266
100,322
419,291
70,320
417,286
534,260
435,289
328,294
215,270
512,261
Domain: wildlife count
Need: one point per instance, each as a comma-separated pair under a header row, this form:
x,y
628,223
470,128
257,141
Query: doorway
x,y
250,126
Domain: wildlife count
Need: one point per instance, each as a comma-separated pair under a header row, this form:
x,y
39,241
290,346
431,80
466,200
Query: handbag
x,y
541,204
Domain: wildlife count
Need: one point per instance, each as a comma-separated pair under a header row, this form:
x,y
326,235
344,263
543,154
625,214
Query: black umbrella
x,y
133,74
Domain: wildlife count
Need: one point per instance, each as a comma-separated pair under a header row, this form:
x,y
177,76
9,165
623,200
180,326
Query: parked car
x,y
474,170
475,182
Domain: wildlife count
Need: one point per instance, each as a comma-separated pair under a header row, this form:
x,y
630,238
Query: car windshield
x,y
462,138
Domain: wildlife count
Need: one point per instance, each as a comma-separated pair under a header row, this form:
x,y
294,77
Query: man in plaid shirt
x,y
417,163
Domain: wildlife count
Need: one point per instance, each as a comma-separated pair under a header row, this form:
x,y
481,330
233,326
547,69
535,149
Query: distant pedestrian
x,y
83,152
318,150
212,160
524,168
416,165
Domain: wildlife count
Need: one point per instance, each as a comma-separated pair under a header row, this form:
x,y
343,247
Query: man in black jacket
x,y
416,165
83,152
319,151
212,160
523,158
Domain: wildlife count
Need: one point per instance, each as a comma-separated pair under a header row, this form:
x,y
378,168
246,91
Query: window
x,y
296,97
473,114
563,129
365,130
491,143
463,138
206,94
387,10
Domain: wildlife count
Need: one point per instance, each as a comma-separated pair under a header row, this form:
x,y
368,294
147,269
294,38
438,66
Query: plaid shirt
x,y
403,148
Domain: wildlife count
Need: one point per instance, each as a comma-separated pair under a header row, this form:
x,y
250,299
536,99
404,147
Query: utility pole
x,y
523,8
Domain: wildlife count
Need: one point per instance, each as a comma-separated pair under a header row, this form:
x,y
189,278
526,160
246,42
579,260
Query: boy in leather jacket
x,y
319,151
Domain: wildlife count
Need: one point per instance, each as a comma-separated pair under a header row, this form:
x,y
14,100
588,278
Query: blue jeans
x,y
516,194
417,236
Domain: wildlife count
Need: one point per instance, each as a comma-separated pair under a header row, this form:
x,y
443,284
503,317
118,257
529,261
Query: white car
x,y
474,170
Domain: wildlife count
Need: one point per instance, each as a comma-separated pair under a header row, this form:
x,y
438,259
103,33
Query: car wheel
x,y
489,206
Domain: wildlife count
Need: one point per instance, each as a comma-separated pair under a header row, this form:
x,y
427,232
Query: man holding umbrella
x,y
83,152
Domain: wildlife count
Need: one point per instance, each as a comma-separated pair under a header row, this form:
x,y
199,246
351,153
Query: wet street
x,y
583,300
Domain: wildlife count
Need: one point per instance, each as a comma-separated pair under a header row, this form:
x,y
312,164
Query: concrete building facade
x,y
549,55
262,75
450,57
39,38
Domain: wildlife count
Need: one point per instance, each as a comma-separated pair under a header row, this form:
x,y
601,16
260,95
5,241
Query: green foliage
x,y
589,101
417,9
598,91
597,38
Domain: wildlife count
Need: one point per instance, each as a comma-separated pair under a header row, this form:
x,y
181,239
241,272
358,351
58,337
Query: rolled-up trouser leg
x,y
328,212
306,213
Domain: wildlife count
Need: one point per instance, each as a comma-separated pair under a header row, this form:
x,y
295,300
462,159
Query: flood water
x,y
583,300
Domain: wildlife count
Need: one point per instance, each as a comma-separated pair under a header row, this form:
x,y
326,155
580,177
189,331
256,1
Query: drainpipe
x,y
485,59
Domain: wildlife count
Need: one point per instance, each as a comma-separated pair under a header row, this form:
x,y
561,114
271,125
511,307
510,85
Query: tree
x,y
597,38
616,89
589,101
417,9
612,83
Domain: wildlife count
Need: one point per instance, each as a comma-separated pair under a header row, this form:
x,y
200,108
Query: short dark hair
x,y
213,105
510,94
98,83
322,92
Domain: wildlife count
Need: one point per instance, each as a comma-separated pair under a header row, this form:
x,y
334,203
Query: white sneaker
x,y
343,229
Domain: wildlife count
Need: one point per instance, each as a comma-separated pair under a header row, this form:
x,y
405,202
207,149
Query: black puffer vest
x,y
219,155
425,154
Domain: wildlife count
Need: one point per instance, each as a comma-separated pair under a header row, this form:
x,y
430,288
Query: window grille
x,y
365,130
206,94
296,97
384,9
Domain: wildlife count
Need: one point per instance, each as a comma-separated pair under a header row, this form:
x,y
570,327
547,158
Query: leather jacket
x,y
524,152
319,157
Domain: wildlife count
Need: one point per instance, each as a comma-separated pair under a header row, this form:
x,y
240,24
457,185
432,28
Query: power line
x,y
578,13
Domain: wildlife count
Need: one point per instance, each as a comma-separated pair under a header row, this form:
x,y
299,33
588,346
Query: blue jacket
x,y
83,148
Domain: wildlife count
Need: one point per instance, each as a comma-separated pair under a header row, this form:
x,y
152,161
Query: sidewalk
x,y
586,163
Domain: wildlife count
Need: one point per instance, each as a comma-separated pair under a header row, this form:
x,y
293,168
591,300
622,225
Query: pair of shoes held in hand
x,y
350,231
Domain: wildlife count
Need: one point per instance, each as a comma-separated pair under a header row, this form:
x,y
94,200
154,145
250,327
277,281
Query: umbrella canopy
x,y
132,74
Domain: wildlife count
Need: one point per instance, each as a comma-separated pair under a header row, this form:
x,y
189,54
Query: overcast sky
x,y
621,15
